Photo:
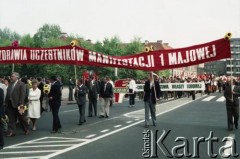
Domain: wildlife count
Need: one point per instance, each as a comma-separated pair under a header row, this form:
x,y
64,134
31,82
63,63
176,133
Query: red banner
x,y
154,60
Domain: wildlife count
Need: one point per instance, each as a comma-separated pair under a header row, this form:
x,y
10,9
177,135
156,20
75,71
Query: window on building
x,y
235,42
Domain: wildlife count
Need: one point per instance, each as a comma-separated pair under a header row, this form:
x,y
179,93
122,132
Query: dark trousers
x,y
132,99
220,89
179,94
111,102
1,134
92,105
232,114
165,95
13,114
56,121
81,109
193,95
41,105
70,95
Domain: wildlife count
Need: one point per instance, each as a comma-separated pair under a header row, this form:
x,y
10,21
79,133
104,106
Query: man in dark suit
x,y
55,103
71,86
80,95
15,101
231,93
151,95
1,118
106,94
93,88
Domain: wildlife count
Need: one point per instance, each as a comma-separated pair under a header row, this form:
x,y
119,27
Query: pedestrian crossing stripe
x,y
209,98
221,99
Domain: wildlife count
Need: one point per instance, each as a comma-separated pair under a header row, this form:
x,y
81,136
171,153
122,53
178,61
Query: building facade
x,y
217,68
233,64
226,66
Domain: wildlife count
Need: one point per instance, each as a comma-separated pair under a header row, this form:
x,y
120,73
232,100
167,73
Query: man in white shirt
x,y
132,88
112,83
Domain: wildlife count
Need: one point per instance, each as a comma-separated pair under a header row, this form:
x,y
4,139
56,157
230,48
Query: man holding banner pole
x,y
151,96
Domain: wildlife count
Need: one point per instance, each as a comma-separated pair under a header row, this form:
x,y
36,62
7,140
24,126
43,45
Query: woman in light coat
x,y
34,103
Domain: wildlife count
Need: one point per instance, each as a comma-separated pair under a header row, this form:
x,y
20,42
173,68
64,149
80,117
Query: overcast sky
x,y
180,23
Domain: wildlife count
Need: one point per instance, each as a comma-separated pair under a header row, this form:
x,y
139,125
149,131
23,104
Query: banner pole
x,y
75,70
231,69
13,66
154,88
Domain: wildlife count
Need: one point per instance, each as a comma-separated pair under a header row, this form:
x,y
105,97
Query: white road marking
x,y
107,134
116,126
18,147
15,149
104,120
42,142
27,152
89,136
221,99
129,122
87,141
65,138
31,141
139,111
30,157
209,98
103,131
66,111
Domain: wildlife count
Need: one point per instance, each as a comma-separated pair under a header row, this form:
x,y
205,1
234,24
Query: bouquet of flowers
x,y
15,43
22,109
5,118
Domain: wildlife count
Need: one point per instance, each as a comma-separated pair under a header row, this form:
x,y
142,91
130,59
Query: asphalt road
x,y
121,136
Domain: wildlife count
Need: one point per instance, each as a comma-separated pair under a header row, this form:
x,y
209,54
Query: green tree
x,y
27,41
45,33
98,47
4,42
165,73
134,47
7,36
6,33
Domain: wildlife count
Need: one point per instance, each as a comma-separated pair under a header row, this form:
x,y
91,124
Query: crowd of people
x,y
152,94
22,100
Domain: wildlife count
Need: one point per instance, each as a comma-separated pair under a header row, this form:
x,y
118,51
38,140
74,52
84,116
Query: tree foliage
x,y
27,41
46,33
7,36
